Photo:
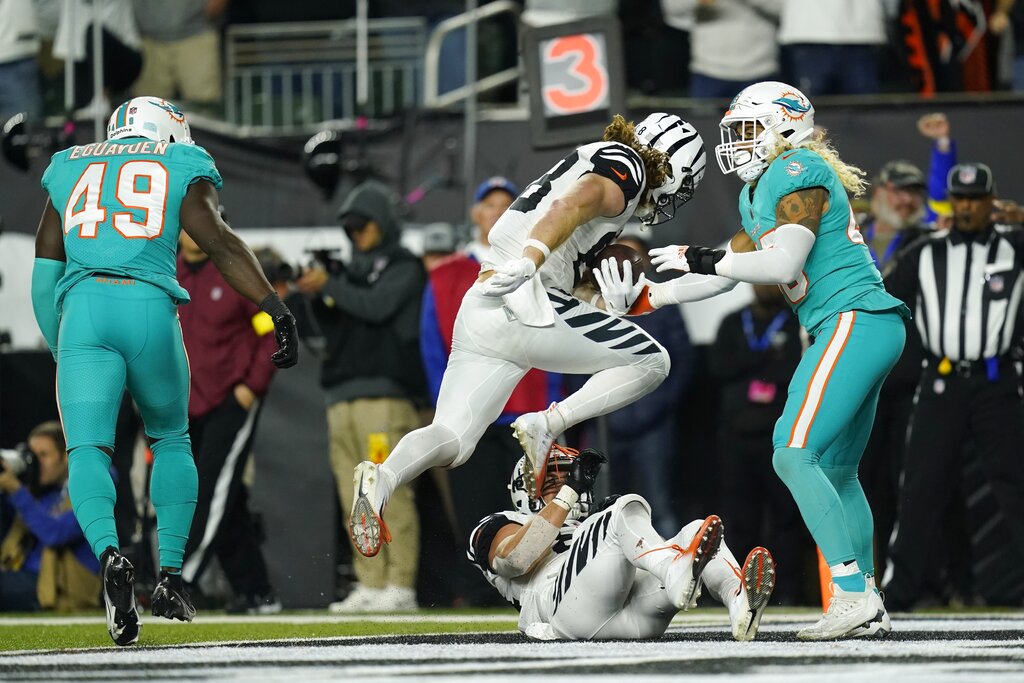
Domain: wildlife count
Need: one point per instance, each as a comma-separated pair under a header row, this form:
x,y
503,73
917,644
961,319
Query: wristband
x,y
273,306
539,246
594,299
566,498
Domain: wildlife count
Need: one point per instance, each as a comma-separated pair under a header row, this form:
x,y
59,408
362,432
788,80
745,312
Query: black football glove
x,y
584,469
287,353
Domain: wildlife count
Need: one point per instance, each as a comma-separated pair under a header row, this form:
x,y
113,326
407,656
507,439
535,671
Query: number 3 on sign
x,y
141,185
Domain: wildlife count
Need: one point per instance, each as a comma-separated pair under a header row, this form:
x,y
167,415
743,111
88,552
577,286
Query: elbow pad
x,y
534,544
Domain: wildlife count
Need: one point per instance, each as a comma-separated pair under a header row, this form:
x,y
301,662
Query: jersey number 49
x,y
140,185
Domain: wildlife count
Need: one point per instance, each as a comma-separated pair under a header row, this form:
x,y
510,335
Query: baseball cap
x,y
901,173
970,180
495,183
438,238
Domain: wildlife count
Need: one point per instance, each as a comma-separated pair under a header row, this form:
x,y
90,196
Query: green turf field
x,y
160,632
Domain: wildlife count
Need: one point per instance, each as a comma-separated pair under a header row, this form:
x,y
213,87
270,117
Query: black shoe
x,y
253,604
119,597
170,600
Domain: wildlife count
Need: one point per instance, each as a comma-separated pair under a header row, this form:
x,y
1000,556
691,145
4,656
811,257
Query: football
x,y
621,253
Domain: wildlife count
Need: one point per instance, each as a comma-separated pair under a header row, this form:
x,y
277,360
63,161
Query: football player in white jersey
x,y
608,575
528,310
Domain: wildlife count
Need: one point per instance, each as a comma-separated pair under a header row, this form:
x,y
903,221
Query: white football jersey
x,y
563,269
523,592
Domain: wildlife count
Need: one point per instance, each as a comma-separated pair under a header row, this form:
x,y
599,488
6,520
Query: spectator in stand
x,y
45,561
372,375
643,446
754,355
481,480
229,342
19,70
181,45
717,68
122,56
830,47
1012,18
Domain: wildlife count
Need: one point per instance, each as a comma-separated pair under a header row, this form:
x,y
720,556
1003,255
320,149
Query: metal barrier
x,y
292,76
431,66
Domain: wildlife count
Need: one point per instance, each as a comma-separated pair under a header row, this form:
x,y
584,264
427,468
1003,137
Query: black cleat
x,y
119,597
170,600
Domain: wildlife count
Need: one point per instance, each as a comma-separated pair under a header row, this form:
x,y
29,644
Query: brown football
x,y
621,253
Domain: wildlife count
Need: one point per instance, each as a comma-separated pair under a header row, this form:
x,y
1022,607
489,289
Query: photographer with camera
x,y
369,310
45,561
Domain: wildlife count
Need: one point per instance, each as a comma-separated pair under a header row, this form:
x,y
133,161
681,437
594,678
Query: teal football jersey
x,y
839,274
119,204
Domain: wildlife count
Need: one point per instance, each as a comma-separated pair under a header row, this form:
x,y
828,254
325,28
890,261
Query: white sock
x,y
722,575
604,392
431,446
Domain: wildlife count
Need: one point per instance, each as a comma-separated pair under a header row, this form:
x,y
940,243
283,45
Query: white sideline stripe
x,y
279,619
821,375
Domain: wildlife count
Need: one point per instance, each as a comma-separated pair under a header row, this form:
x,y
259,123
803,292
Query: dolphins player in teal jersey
x,y
105,296
799,232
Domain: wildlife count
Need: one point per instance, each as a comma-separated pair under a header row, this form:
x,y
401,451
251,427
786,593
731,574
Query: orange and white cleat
x,y
757,581
683,576
367,528
531,430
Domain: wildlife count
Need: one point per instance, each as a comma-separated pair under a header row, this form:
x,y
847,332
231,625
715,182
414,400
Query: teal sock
x,y
849,577
174,490
93,496
819,504
860,523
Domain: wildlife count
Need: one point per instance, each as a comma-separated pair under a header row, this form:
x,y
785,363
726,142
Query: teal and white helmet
x,y
151,118
779,112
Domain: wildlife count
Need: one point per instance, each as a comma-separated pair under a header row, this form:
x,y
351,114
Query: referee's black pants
x,y
222,525
949,410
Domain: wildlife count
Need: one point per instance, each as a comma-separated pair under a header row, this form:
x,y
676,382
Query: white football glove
x,y
618,292
509,277
672,257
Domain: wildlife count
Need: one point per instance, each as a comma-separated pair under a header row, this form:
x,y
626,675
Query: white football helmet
x,y
782,113
559,461
685,149
151,118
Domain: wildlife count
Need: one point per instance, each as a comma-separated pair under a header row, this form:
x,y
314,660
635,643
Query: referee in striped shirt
x,y
964,286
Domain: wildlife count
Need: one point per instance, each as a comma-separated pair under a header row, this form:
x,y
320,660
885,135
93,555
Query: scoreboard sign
x,y
574,73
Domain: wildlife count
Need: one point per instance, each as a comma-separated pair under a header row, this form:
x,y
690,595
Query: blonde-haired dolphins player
x,y
799,232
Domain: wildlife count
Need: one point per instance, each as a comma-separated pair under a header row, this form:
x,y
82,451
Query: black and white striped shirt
x,y
964,290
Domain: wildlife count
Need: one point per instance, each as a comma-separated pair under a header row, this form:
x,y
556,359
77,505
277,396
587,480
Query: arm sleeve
x,y
382,300
938,170
779,264
688,288
52,530
432,347
46,273
623,166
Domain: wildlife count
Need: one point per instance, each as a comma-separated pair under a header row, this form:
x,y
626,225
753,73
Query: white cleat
x,y
850,615
757,581
366,527
531,430
683,577
876,629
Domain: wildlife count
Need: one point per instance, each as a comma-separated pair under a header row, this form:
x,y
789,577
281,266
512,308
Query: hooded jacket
x,y
369,311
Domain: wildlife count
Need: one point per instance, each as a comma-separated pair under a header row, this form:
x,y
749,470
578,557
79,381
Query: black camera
x,y
21,462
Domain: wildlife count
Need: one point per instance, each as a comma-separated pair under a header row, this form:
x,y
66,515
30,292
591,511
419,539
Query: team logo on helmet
x,y
174,112
794,106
